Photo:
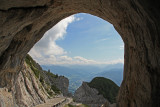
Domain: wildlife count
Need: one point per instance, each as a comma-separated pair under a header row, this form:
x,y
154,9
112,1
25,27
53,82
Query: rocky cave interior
x,y
23,23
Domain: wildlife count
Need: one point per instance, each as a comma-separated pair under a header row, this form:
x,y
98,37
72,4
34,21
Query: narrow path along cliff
x,y
56,102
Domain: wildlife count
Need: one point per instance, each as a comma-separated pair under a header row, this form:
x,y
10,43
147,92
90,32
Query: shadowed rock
x,y
90,96
23,23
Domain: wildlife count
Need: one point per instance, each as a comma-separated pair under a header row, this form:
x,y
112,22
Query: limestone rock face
x,y
90,96
6,98
23,23
62,83
28,90
48,78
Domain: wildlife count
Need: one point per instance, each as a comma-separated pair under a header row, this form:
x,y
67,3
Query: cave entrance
x,y
137,22
81,47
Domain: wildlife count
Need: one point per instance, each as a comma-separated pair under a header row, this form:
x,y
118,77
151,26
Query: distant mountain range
x,y
79,73
115,75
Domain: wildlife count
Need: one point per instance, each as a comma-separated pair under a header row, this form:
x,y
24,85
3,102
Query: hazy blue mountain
x,y
115,75
79,73
73,70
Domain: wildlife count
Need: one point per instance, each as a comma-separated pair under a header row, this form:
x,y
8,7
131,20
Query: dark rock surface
x,y
23,23
90,96
99,92
62,83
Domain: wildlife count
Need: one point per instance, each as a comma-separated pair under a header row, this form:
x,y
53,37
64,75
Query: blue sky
x,y
80,39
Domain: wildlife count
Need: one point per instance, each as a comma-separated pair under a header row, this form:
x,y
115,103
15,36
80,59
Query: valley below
x,y
58,86
79,73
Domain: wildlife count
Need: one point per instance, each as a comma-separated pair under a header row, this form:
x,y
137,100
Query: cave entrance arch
x,y
24,23
100,48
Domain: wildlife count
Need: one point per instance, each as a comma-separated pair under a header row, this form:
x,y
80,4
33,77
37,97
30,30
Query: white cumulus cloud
x,y
121,47
47,46
47,52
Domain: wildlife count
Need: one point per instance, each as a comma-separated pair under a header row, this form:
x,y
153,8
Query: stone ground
x,y
59,101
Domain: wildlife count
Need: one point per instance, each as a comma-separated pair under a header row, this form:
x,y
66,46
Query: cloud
x,y
65,58
78,18
77,60
115,61
101,40
47,52
47,46
121,47
81,60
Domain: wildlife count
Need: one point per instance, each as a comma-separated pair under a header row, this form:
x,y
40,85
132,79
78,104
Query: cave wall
x,y
23,23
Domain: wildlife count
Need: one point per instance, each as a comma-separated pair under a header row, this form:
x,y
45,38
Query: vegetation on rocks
x,y
51,74
105,87
32,65
39,74
55,89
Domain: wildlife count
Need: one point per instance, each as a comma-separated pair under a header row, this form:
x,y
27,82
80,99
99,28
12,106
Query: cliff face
x,y
28,89
27,92
59,84
33,86
62,83
90,96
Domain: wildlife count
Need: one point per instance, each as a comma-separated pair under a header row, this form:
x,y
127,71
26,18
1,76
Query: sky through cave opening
x,y
81,47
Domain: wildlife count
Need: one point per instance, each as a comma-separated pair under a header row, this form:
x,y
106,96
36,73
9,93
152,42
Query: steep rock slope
x,y
28,89
59,84
27,92
42,76
90,96
97,92
33,86
62,84
105,87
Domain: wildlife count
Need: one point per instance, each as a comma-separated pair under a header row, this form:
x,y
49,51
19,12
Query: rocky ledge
x,y
90,96
99,92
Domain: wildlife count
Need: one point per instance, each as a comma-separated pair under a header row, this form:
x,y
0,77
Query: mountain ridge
x,y
79,73
97,92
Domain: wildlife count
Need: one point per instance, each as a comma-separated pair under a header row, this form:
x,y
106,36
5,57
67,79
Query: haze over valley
x,y
79,73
